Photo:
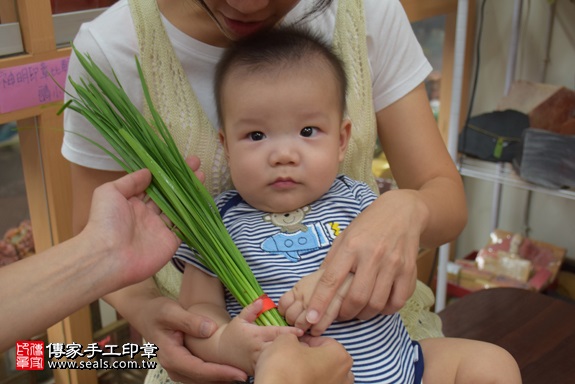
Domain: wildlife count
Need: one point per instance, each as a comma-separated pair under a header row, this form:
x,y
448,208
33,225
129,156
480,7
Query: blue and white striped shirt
x,y
280,256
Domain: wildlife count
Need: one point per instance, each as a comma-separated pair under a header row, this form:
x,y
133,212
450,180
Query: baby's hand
x,y
242,341
293,303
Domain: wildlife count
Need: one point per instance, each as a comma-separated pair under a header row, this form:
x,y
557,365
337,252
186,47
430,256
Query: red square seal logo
x,y
29,355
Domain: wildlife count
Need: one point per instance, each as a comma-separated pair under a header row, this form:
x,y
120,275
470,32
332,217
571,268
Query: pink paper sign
x,y
30,85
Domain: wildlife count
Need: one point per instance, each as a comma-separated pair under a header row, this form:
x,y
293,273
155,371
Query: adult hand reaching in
x,y
319,360
380,249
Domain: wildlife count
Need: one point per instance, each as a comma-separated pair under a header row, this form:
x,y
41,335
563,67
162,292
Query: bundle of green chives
x,y
174,187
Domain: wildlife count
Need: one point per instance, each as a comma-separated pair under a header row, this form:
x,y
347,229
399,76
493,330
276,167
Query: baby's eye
x,y
308,131
256,136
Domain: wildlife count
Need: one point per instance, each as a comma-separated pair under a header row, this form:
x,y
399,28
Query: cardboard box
x,y
546,154
546,158
468,275
550,107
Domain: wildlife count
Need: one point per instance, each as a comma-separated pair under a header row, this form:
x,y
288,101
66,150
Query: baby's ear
x,y
222,137
344,136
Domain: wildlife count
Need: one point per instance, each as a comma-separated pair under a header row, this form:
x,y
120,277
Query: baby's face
x,y
284,135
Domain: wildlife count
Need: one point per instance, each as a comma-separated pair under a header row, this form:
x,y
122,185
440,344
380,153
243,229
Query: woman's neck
x,y
190,18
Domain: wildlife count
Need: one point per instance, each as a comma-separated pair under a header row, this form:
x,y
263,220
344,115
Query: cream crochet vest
x,y
178,105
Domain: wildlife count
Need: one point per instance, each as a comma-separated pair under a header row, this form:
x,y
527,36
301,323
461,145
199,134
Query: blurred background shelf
x,y
503,173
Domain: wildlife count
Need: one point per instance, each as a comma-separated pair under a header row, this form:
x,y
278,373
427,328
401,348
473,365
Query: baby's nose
x,y
285,155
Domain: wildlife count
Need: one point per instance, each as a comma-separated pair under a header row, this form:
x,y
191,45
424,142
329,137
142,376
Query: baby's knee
x,y
497,366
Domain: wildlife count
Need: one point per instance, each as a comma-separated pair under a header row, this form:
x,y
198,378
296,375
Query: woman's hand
x,y
380,248
313,360
240,341
293,303
164,325
130,230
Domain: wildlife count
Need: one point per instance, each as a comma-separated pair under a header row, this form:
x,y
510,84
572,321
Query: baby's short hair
x,y
281,47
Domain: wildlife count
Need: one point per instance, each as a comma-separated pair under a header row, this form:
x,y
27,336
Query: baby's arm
x,y
293,304
237,342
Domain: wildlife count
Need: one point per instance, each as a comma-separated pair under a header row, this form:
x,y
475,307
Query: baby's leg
x,y
451,360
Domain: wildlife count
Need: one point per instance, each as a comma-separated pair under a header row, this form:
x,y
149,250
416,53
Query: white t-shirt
x,y
396,61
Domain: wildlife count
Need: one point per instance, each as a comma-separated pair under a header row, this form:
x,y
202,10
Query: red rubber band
x,y
267,304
